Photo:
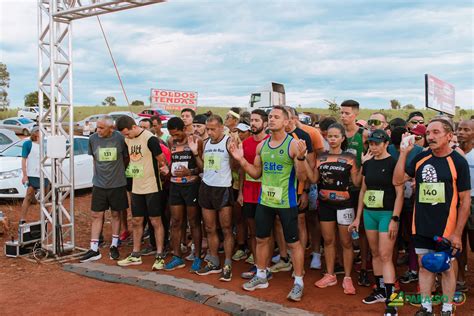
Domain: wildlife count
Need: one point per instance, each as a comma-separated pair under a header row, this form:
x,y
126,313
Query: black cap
x,y
379,136
200,119
397,122
416,113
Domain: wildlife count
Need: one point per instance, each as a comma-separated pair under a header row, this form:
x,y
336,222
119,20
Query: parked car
x,y
7,137
19,125
115,115
163,114
92,119
32,112
11,175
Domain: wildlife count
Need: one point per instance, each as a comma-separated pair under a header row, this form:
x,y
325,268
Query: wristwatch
x,y
395,218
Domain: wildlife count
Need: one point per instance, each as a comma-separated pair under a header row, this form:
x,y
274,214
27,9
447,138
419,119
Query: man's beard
x,y
258,131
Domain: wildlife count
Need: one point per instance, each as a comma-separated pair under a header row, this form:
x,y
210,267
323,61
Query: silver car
x,y
7,137
19,125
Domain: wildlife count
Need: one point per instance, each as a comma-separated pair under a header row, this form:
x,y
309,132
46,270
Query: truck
x,y
268,96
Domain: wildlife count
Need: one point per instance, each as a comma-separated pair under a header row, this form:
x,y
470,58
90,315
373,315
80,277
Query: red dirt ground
x,y
27,288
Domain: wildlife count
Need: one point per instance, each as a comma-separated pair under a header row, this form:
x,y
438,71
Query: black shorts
x,y
184,194
235,194
248,210
265,218
129,184
115,199
151,204
327,212
424,245
215,198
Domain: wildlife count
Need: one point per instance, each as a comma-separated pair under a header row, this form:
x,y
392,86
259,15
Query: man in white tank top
x,y
215,197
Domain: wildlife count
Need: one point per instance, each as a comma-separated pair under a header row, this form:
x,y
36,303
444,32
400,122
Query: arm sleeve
x,y
154,146
463,180
26,149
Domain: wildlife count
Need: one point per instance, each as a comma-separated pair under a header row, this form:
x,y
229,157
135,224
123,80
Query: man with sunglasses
x,y
377,120
415,118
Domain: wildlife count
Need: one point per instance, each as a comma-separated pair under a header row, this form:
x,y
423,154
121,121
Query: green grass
x,y
81,112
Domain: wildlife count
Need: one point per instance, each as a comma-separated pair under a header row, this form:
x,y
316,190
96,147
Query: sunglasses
x,y
374,122
417,122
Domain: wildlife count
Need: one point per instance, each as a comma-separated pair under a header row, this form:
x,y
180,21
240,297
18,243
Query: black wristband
x,y
301,159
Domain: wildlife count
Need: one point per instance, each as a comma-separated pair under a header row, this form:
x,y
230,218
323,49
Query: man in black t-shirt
x,y
442,203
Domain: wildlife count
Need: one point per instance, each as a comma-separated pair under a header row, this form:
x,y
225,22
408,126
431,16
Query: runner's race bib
x,y
212,162
345,216
177,166
107,154
272,194
134,170
431,193
373,198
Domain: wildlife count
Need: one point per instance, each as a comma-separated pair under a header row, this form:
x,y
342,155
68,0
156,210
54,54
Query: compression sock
x,y
95,244
115,239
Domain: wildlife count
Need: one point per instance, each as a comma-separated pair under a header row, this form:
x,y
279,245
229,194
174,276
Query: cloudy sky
x,y
371,51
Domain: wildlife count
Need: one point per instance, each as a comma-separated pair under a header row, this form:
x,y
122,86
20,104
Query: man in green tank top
x,y
356,140
279,162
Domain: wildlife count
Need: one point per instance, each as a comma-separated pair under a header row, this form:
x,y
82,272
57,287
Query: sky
x,y
370,51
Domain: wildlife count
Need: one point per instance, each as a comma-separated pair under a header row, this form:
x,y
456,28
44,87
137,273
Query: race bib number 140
x,y
431,193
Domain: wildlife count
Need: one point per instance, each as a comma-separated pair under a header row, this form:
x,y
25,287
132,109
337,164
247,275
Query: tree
x,y
109,101
4,85
333,107
409,107
138,102
395,104
31,99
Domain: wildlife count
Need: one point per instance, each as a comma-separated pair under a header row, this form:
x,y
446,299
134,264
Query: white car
x,y
7,137
115,115
11,175
92,119
32,113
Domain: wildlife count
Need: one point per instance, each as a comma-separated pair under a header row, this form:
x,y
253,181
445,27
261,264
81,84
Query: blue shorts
x,y
34,182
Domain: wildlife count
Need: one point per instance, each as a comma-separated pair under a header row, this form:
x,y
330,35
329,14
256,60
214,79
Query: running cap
x,y
243,127
419,130
200,119
379,136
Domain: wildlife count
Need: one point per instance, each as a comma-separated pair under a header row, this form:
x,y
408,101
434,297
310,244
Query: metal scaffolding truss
x,y
55,82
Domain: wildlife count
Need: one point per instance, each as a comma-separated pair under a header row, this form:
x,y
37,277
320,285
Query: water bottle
x,y
355,234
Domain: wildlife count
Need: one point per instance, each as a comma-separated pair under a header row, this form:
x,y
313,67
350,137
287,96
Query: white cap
x,y
243,127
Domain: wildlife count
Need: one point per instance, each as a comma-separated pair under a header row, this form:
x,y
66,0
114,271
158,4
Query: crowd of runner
x,y
264,188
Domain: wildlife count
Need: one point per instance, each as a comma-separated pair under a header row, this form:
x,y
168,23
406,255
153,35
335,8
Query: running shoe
x,y
391,311
281,266
159,264
250,273
348,287
276,259
209,268
114,253
269,275
315,261
239,255
409,277
296,293
363,279
124,235
146,234
449,313
130,261
220,249
377,296
326,280
190,257
255,283
184,248
175,263
250,260
196,265
148,251
423,312
226,274
90,255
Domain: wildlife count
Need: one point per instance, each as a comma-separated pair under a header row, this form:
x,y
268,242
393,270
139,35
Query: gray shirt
x,y
108,154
